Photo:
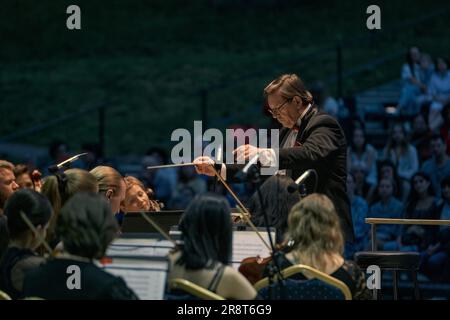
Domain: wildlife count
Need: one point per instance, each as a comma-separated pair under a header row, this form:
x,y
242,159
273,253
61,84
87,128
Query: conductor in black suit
x,y
309,139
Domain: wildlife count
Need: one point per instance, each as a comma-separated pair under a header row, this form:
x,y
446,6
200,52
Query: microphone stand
x,y
274,267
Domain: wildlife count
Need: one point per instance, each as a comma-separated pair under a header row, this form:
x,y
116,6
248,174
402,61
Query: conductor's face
x,y
286,111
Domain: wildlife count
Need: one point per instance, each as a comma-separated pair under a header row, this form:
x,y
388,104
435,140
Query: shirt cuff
x,y
268,158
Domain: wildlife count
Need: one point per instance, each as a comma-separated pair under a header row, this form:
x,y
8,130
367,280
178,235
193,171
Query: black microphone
x,y
248,169
297,184
56,167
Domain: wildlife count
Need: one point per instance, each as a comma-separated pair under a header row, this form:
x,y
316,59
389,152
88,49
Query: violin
x,y
155,205
253,268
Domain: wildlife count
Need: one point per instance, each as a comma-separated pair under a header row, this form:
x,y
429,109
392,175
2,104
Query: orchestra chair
x,y
318,286
4,296
394,260
181,289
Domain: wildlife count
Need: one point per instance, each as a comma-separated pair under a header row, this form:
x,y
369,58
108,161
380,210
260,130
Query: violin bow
x,y
36,233
244,212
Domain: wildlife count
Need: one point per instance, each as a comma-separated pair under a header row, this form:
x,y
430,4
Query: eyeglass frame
x,y
275,112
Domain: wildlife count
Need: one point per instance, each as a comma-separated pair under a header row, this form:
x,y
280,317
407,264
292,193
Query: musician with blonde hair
x,y
314,228
111,184
59,188
137,197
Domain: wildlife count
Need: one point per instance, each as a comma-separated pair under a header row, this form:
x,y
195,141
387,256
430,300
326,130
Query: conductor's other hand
x,y
204,165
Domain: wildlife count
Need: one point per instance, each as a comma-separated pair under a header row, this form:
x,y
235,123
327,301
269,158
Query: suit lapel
x,y
304,126
283,136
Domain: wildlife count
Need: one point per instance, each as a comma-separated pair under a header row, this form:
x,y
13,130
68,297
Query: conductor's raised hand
x,y
204,165
245,152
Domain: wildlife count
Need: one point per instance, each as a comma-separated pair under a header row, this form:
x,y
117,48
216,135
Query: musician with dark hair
x,y
87,227
20,257
203,259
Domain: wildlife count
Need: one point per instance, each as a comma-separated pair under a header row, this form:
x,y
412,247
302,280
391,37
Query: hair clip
x,y
62,181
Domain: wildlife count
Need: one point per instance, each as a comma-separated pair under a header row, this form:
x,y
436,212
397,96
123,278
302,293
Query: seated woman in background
x,y
278,201
111,184
421,204
203,259
436,258
439,93
386,170
20,257
386,206
360,152
26,178
87,227
313,225
59,188
403,155
359,211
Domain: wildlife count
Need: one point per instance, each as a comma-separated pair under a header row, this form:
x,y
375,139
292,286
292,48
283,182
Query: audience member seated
x,y
187,179
277,202
92,159
362,187
362,153
324,101
411,82
439,93
21,256
403,155
162,181
314,227
361,229
445,128
183,197
436,258
420,137
438,166
386,206
426,70
386,170
58,152
421,204
87,227
110,184
203,259
59,188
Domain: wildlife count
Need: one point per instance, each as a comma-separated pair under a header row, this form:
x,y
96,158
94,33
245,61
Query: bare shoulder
x,y
235,286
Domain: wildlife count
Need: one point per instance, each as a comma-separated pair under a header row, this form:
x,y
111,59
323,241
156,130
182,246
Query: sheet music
x,y
248,244
147,278
141,247
245,244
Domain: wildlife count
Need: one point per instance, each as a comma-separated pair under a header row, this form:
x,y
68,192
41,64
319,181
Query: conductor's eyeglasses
x,y
275,112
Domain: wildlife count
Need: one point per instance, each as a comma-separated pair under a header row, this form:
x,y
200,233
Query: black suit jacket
x,y
320,145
